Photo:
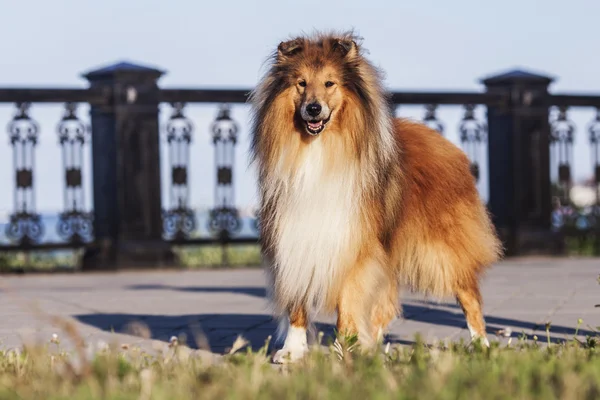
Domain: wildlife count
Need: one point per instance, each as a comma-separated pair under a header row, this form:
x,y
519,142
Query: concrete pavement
x,y
150,307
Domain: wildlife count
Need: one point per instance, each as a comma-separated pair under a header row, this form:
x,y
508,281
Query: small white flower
x,y
54,338
102,345
506,332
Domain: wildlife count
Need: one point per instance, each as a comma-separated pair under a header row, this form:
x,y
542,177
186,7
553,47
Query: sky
x,y
422,45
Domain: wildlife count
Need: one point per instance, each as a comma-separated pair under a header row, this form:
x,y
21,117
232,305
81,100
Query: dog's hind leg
x,y
469,298
296,344
385,310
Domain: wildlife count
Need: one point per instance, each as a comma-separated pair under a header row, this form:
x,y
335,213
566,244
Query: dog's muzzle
x,y
314,116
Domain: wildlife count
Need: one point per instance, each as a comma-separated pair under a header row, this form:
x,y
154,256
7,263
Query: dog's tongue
x,y
315,125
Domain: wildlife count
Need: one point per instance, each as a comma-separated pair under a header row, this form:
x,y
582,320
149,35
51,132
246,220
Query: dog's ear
x,y
346,47
288,49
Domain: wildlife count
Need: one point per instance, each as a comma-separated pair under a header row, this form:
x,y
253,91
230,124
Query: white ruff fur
x,y
315,220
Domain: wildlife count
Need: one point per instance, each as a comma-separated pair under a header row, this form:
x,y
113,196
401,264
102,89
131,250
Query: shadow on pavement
x,y
215,332
222,329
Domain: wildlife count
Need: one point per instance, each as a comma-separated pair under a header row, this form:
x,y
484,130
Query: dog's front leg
x,y
296,344
359,297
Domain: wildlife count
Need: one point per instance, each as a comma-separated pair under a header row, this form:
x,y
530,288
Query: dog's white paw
x,y
294,348
289,355
477,336
483,340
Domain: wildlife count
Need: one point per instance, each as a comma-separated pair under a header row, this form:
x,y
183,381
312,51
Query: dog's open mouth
x,y
316,127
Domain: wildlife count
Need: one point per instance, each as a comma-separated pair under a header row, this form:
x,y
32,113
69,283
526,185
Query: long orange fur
x,y
370,205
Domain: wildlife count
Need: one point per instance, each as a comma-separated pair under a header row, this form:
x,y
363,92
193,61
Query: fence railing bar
x,y
397,97
574,100
54,95
204,95
447,98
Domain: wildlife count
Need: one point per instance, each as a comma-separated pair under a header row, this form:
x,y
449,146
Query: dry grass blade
x,y
240,343
69,328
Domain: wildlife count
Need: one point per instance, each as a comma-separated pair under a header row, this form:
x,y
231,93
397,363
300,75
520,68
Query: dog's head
x,y
317,74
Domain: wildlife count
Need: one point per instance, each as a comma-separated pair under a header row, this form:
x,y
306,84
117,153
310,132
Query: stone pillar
x,y
519,162
126,170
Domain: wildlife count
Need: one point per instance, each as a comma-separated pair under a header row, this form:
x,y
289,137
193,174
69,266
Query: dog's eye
x,y
302,83
329,84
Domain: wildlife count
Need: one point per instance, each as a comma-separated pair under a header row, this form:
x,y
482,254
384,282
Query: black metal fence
x,y
527,139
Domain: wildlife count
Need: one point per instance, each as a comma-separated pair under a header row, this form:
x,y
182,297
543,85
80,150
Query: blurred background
x,y
126,140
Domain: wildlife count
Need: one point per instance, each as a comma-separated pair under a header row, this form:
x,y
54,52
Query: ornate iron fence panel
x,y
123,117
473,139
179,219
75,223
25,227
576,213
224,217
72,225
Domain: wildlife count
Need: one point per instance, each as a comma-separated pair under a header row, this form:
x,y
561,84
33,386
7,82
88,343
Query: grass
x,y
210,256
519,370
583,245
39,260
191,257
217,256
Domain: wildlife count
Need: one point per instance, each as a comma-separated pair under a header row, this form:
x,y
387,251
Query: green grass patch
x,y
39,260
520,370
192,257
237,255
583,245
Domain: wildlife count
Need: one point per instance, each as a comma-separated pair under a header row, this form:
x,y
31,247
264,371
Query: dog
x,y
356,204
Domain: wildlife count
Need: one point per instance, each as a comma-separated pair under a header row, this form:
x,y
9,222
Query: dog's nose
x,y
313,109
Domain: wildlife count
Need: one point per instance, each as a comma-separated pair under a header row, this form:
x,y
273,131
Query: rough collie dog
x,y
356,204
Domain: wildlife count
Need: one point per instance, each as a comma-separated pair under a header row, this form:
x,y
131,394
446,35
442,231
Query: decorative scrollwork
x,y
70,129
431,119
472,137
594,131
562,135
23,129
224,218
224,221
25,226
224,129
75,224
576,211
179,221
179,127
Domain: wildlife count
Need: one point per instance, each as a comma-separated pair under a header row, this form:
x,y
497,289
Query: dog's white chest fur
x,y
314,222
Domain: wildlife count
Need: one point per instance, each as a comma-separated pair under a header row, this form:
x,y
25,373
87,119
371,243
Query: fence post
x,y
519,162
126,170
